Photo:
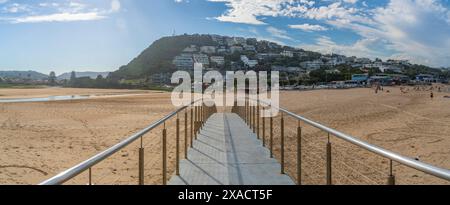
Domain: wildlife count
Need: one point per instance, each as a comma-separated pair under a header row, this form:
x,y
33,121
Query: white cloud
x,y
115,6
15,8
249,11
278,33
361,48
308,27
418,30
350,1
56,12
59,17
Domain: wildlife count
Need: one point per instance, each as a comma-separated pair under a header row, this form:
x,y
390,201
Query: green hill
x,y
29,75
158,57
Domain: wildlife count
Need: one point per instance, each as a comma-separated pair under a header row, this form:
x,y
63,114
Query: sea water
x,y
45,99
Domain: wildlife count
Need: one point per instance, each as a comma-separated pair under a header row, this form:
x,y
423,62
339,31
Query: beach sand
x,y
39,140
411,124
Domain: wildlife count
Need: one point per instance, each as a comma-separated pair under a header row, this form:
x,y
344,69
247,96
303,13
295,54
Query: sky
x,y
102,35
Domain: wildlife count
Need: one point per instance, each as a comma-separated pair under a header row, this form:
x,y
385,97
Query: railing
x,y
196,115
199,113
250,112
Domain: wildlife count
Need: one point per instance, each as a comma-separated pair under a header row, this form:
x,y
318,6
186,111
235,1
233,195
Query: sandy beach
x,y
39,140
411,124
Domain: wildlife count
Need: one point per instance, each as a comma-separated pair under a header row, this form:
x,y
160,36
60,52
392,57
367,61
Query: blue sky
x,y
102,35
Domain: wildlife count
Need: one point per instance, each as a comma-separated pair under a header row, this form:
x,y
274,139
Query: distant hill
x,y
158,57
92,75
32,75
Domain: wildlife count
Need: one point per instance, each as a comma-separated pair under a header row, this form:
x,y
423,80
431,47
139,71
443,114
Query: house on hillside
x,y
234,49
312,65
249,48
190,49
219,60
208,49
201,58
287,53
184,61
248,62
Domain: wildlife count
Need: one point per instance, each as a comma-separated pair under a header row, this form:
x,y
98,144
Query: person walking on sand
x,y
432,95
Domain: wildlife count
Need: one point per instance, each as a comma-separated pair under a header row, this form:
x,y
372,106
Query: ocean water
x,y
46,99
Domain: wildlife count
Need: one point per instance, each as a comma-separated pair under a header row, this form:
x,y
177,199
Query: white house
x,y
191,49
201,58
208,49
240,40
234,49
219,60
248,62
249,48
312,65
184,61
288,54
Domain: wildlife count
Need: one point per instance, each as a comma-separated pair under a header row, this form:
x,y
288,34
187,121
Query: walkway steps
x,y
227,152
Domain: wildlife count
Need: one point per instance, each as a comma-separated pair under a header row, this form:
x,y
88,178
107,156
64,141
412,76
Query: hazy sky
x,y
102,35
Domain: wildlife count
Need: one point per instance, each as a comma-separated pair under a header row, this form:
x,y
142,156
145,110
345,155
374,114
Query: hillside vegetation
x,y
158,57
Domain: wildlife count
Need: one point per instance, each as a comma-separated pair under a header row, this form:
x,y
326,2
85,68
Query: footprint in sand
x,y
25,167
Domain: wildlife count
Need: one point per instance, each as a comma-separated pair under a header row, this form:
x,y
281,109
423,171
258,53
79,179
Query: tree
x,y
73,76
52,79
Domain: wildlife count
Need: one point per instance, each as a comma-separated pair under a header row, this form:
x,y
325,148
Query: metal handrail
x,y
88,164
407,161
83,166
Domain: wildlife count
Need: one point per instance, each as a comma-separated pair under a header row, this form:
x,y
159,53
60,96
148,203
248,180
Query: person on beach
x,y
432,95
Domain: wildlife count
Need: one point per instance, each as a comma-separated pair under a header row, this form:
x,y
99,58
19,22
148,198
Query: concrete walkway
x,y
227,152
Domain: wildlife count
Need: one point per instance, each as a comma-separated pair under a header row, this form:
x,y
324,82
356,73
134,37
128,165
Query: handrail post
x,y
257,121
264,131
141,163
282,144
299,155
178,147
249,118
254,119
329,167
192,127
202,115
90,175
271,137
185,134
391,178
196,122
164,153
247,112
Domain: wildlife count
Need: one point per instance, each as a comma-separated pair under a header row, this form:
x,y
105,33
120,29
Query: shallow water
x,y
46,99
